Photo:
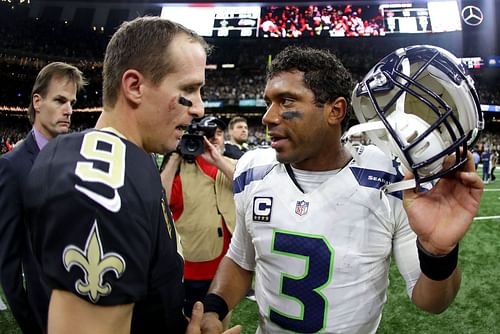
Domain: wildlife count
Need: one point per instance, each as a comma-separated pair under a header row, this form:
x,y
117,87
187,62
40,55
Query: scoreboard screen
x,y
421,17
473,62
216,20
405,18
338,19
236,21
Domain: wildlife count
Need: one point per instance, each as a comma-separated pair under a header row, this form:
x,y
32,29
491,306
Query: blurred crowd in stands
x,y
14,129
327,21
27,44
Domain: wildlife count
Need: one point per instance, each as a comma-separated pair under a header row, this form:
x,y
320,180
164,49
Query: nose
x,y
68,109
271,116
197,110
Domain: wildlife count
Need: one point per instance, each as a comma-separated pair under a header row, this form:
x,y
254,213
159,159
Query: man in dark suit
x,y
52,99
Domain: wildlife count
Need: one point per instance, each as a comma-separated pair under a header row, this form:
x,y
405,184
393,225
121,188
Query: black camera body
x,y
191,144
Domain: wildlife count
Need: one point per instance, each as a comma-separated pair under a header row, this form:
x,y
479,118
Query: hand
x,y
441,216
212,154
195,324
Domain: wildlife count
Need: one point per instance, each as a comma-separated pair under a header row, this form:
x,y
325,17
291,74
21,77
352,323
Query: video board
x,y
332,19
405,18
421,17
214,20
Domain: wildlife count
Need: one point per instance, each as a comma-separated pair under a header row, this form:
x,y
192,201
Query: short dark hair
x,y
44,77
236,119
324,73
141,44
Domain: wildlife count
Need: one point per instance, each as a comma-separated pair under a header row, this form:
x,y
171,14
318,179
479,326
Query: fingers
x,y
208,145
452,159
194,326
468,175
233,330
471,179
408,176
469,166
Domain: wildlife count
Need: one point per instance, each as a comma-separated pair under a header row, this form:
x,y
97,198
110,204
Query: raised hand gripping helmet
x,y
420,104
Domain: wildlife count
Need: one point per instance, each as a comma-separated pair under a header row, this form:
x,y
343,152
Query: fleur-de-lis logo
x,y
94,264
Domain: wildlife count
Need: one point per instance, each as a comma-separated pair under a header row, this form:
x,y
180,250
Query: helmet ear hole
x,y
412,145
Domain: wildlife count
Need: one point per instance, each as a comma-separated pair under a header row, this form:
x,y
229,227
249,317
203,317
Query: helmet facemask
x,y
419,104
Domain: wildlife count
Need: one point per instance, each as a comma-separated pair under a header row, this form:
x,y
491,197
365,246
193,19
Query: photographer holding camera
x,y
198,182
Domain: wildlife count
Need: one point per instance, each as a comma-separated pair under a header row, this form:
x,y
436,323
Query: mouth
x,y
277,140
180,129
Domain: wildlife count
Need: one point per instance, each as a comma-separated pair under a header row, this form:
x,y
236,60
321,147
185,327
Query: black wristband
x,y
437,267
215,303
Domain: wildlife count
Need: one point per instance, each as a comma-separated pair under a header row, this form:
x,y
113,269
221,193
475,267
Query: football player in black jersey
x,y
101,230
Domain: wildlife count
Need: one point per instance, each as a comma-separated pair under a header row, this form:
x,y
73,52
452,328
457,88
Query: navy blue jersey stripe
x,y
250,175
376,179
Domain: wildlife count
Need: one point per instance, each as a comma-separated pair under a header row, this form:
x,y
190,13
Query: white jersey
x,y
321,259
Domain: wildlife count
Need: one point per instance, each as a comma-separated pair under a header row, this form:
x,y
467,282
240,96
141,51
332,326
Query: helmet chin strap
x,y
353,149
399,186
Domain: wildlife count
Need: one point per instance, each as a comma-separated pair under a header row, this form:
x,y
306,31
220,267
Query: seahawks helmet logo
x,y
94,265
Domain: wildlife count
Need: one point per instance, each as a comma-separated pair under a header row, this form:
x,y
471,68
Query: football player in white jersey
x,y
313,225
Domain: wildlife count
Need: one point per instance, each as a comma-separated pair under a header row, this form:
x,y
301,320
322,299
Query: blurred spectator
x,y
477,157
494,160
238,137
486,160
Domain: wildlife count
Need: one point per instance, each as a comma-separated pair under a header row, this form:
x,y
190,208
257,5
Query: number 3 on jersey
x,y
318,255
107,148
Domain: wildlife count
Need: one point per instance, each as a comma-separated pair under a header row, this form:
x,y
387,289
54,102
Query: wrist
x,y
428,248
215,304
437,267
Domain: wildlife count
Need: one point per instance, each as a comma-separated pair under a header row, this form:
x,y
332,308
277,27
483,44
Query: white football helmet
x,y
420,104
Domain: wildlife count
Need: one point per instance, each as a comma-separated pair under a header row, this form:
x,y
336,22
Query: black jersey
x,y
100,228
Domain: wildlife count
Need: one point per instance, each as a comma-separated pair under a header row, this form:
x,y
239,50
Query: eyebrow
x,y
283,95
193,84
58,97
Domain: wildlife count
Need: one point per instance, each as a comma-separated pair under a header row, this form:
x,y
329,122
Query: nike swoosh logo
x,y
111,204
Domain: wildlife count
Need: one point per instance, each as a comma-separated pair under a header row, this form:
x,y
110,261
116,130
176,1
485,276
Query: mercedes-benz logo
x,y
472,15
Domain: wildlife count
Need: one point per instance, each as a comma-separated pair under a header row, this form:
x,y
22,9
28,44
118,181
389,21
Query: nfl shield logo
x,y
301,207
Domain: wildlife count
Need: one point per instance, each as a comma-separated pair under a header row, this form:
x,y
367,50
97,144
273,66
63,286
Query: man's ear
x,y
132,85
36,100
336,110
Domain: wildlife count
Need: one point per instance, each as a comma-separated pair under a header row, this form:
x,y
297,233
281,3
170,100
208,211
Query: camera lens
x,y
192,145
